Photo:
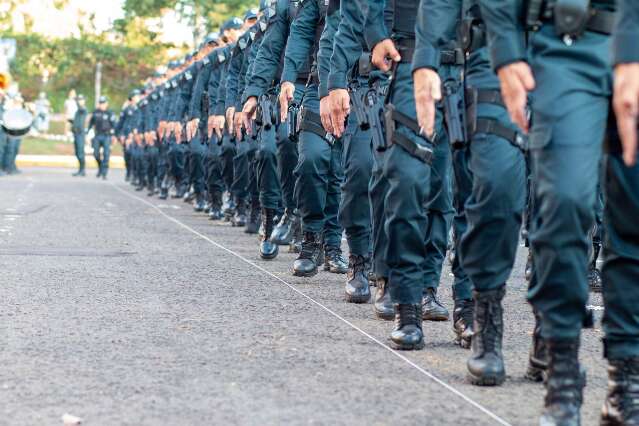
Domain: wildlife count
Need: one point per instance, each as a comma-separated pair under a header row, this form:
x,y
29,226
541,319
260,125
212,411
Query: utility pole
x,y
98,82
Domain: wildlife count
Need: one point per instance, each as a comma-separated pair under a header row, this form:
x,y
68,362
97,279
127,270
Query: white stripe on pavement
x,y
325,308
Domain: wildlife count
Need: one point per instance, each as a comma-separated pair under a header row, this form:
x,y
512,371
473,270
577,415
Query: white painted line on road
x,y
595,307
325,308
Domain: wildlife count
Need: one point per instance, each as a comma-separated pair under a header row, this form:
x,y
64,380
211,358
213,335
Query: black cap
x,y
103,100
173,65
134,92
232,24
212,38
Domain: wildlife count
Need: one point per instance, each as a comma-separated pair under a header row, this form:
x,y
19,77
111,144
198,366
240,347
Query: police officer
x,y
621,252
277,151
103,120
569,111
319,171
79,133
3,135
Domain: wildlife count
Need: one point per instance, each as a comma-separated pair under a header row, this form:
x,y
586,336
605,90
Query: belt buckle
x,y
424,153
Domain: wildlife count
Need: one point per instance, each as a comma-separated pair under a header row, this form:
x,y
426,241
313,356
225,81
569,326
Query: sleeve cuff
x,y
337,80
252,91
506,49
323,90
374,35
289,75
626,48
426,57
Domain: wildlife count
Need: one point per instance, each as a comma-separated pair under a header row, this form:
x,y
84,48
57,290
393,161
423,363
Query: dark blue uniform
x,y
104,123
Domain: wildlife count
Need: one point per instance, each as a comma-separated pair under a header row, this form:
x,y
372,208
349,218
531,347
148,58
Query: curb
x,y
64,161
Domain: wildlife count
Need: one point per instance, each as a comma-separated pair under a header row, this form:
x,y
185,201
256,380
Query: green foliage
x,y
71,64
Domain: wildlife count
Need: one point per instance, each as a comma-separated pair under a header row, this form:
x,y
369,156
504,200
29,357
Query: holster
x,y
454,113
312,122
391,117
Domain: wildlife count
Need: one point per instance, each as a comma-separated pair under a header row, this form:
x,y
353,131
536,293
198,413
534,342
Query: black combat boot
x,y
295,246
200,203
311,255
565,384
432,308
407,334
334,261
151,188
357,284
622,402
239,219
253,223
463,322
180,190
141,185
529,266
486,363
229,209
164,193
189,195
283,232
538,357
216,207
382,305
268,249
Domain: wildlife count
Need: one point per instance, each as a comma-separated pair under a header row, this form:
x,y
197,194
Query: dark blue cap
x,y
212,38
232,24
103,100
173,65
250,14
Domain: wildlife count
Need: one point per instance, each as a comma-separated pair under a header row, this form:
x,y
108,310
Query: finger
x,y
527,78
429,118
627,124
247,122
283,109
393,53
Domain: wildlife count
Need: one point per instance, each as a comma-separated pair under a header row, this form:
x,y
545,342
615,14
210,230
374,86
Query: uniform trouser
x,y
239,186
127,160
495,207
598,229
439,208
267,179
406,221
3,148
78,145
163,162
319,176
462,187
188,177
227,153
102,152
570,110
196,163
377,190
152,154
11,153
214,181
287,159
251,186
176,162
355,206
140,160
621,259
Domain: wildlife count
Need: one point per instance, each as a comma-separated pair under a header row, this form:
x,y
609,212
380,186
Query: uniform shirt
x,y
185,82
626,37
103,121
326,45
198,107
220,59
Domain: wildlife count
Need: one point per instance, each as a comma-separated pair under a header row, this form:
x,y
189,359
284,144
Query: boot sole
x,y
385,317
461,342
486,381
357,299
440,318
305,274
399,347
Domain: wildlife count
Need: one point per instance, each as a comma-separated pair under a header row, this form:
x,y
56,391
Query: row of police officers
x,y
395,122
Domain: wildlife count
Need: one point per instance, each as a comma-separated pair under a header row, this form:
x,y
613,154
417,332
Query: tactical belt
x,y
406,49
491,126
421,152
312,122
600,21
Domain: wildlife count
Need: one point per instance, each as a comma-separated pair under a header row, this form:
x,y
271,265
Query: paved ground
x,y
134,311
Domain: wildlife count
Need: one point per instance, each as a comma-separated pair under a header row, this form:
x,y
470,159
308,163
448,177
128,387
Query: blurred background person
x,y
70,108
42,113
79,134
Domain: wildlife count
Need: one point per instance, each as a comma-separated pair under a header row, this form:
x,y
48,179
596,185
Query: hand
x,y
428,90
340,104
287,93
384,54
625,102
230,112
218,125
516,81
325,114
249,111
177,129
191,128
238,121
210,125
162,129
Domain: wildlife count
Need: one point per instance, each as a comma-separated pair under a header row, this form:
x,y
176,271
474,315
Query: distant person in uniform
x,y
70,108
42,111
103,120
79,134
3,136
14,100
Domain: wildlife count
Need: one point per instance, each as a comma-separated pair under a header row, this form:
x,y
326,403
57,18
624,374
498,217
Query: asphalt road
x,y
126,310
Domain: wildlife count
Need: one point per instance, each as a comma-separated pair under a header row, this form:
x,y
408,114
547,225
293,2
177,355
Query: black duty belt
x,y
600,21
452,56
312,122
484,96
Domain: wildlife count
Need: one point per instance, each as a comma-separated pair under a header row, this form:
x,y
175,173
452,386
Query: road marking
x,y
595,307
323,307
